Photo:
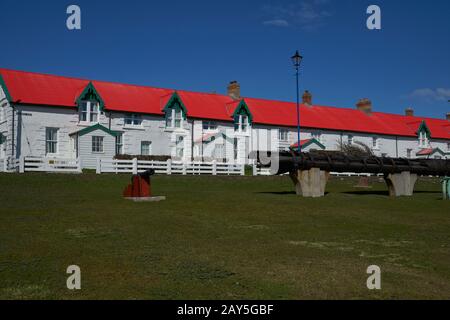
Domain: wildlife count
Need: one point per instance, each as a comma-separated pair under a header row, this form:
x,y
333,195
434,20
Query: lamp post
x,y
296,60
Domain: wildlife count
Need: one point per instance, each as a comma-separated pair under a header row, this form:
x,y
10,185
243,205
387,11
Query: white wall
x,y
31,121
89,158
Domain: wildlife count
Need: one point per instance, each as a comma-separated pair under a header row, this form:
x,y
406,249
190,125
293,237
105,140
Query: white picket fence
x,y
169,167
58,165
9,165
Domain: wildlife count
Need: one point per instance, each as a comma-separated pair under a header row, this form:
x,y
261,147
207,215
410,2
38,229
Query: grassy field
x,y
219,238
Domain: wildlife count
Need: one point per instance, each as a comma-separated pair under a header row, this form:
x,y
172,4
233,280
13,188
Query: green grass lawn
x,y
219,238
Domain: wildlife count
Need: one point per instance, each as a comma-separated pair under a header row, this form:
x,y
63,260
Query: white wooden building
x,y
59,117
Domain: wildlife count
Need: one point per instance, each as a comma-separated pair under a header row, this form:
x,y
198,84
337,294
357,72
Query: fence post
x,y
214,168
21,164
135,166
184,167
169,166
98,168
242,169
79,165
255,169
5,165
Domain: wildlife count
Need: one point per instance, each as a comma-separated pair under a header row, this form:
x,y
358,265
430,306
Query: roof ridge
x,y
442,122
112,82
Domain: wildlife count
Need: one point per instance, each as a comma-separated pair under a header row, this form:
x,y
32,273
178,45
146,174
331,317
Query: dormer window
x,y
424,135
174,117
175,112
423,140
242,123
89,105
242,118
89,111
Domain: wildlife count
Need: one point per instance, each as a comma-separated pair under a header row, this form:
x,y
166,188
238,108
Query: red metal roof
x,y
425,151
302,142
42,89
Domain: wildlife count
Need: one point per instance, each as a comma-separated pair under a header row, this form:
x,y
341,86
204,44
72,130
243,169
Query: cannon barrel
x,y
339,162
147,173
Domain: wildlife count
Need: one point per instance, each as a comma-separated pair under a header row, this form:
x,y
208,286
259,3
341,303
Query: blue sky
x,y
202,45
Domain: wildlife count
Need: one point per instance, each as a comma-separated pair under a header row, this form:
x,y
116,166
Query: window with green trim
x,y
89,111
423,139
174,116
242,123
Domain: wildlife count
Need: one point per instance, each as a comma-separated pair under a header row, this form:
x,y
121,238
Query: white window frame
x,y
119,143
179,145
423,140
375,143
174,115
100,144
133,120
283,135
53,141
209,126
149,145
92,108
243,123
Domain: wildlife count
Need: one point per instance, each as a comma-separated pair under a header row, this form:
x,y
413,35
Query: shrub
x,y
141,157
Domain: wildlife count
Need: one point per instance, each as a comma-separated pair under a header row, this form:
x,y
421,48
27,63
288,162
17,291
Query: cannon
x,y
310,171
140,188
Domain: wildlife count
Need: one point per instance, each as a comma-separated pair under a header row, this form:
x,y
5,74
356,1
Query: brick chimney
x,y
447,116
364,105
409,112
307,98
234,90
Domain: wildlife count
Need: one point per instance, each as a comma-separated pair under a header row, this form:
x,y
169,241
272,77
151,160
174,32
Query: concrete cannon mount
x,y
312,183
401,184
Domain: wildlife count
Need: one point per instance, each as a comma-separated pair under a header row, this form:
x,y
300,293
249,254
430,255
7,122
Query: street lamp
x,y
296,60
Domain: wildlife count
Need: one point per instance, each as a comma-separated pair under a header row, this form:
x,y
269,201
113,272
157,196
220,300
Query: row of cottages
x,y
52,116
